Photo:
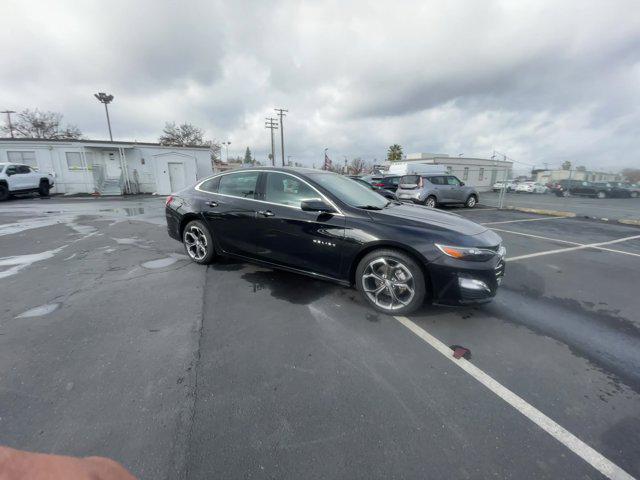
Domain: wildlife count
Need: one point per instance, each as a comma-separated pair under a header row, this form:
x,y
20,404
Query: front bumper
x,y
458,282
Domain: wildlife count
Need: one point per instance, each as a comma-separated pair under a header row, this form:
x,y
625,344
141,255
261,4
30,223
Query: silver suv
x,y
436,189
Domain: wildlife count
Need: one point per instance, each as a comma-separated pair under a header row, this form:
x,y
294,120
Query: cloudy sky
x,y
541,81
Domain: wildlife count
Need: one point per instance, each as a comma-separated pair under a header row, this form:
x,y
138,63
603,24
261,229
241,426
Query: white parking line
x,y
605,466
579,247
523,220
536,236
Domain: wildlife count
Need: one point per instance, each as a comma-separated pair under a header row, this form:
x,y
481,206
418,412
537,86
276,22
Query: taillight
x,y
169,200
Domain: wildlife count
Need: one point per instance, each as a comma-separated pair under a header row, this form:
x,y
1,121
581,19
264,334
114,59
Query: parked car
x,y
327,226
530,187
381,191
389,182
623,190
508,186
583,188
433,190
16,178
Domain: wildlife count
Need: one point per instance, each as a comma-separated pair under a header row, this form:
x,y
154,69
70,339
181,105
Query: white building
x,y
110,168
481,173
553,176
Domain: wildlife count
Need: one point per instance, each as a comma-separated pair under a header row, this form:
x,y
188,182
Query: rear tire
x,y
471,201
391,281
431,202
44,188
4,192
633,194
198,242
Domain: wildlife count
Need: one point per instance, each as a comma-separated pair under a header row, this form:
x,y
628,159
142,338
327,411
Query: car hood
x,y
422,216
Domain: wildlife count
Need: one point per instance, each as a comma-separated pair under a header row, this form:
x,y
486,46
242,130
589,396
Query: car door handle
x,y
266,213
211,203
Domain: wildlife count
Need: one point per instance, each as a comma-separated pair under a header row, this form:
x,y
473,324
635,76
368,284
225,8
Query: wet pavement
x,y
115,344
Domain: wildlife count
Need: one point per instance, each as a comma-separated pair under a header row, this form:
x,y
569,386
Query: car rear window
x,y
410,180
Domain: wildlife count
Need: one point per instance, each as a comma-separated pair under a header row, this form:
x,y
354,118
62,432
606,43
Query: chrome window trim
x,y
323,196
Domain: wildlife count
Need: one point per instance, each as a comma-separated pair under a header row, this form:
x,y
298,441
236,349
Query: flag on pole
x,y
327,162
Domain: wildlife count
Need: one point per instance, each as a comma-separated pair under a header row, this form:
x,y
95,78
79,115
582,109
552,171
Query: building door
x,y
494,175
176,176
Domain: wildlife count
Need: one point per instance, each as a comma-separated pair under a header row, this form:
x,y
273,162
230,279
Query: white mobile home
x,y
110,168
481,173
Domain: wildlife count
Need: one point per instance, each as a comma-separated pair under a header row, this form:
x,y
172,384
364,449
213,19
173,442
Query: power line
x,y
281,114
272,125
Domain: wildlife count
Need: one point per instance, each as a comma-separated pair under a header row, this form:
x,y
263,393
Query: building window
x,y
481,174
26,158
74,161
465,175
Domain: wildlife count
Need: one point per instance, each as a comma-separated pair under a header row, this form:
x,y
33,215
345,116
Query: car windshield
x,y
350,192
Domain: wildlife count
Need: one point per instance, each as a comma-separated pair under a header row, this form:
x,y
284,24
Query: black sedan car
x,y
327,226
380,191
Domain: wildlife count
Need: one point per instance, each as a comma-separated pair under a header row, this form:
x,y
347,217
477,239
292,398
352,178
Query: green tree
x,y
247,156
566,165
394,154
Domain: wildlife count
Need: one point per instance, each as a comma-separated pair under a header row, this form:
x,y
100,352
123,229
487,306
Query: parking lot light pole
x,y
9,112
106,99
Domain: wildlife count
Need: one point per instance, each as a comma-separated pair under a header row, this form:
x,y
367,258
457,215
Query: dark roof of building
x,y
85,140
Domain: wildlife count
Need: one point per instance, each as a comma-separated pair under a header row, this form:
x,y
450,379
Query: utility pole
x,y
106,99
272,125
281,114
9,112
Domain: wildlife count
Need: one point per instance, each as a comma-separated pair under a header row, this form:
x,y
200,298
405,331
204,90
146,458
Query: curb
x,y
553,213
630,221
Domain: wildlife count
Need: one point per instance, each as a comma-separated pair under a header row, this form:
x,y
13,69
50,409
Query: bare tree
x,y
37,124
184,135
357,166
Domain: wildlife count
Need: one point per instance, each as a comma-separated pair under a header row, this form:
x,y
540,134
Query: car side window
x,y
437,180
240,184
453,181
10,170
287,190
210,185
22,169
395,181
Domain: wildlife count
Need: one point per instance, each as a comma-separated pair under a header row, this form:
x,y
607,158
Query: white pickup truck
x,y
16,178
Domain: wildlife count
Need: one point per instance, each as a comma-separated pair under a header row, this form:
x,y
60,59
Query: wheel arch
x,y
419,259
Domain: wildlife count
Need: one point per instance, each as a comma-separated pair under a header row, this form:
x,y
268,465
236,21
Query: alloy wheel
x,y
471,202
431,202
388,283
196,242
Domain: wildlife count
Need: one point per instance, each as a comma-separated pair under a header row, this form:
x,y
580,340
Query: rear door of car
x,y
285,235
440,188
230,209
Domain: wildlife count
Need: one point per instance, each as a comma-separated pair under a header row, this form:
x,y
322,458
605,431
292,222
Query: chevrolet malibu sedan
x,y
327,226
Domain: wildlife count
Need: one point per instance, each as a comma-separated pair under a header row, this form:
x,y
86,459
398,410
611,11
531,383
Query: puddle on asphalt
x,y
126,241
288,286
40,311
160,263
18,262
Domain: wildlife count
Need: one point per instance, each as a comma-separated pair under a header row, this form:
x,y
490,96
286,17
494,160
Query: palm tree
x,y
394,154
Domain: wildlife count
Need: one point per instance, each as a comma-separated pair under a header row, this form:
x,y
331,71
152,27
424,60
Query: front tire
x,y
44,188
198,242
471,201
633,194
601,194
391,281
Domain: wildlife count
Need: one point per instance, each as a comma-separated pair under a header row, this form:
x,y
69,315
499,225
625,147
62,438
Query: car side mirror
x,y
316,205
462,184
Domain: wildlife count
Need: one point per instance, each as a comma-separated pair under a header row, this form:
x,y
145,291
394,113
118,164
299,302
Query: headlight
x,y
470,253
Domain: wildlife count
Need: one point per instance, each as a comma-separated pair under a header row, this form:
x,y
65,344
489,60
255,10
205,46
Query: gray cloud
x,y
542,81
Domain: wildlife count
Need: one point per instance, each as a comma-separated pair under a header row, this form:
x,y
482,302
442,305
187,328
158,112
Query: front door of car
x,y
288,236
228,205
456,192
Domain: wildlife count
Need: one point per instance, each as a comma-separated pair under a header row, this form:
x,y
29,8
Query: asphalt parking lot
x,y
113,343
607,208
